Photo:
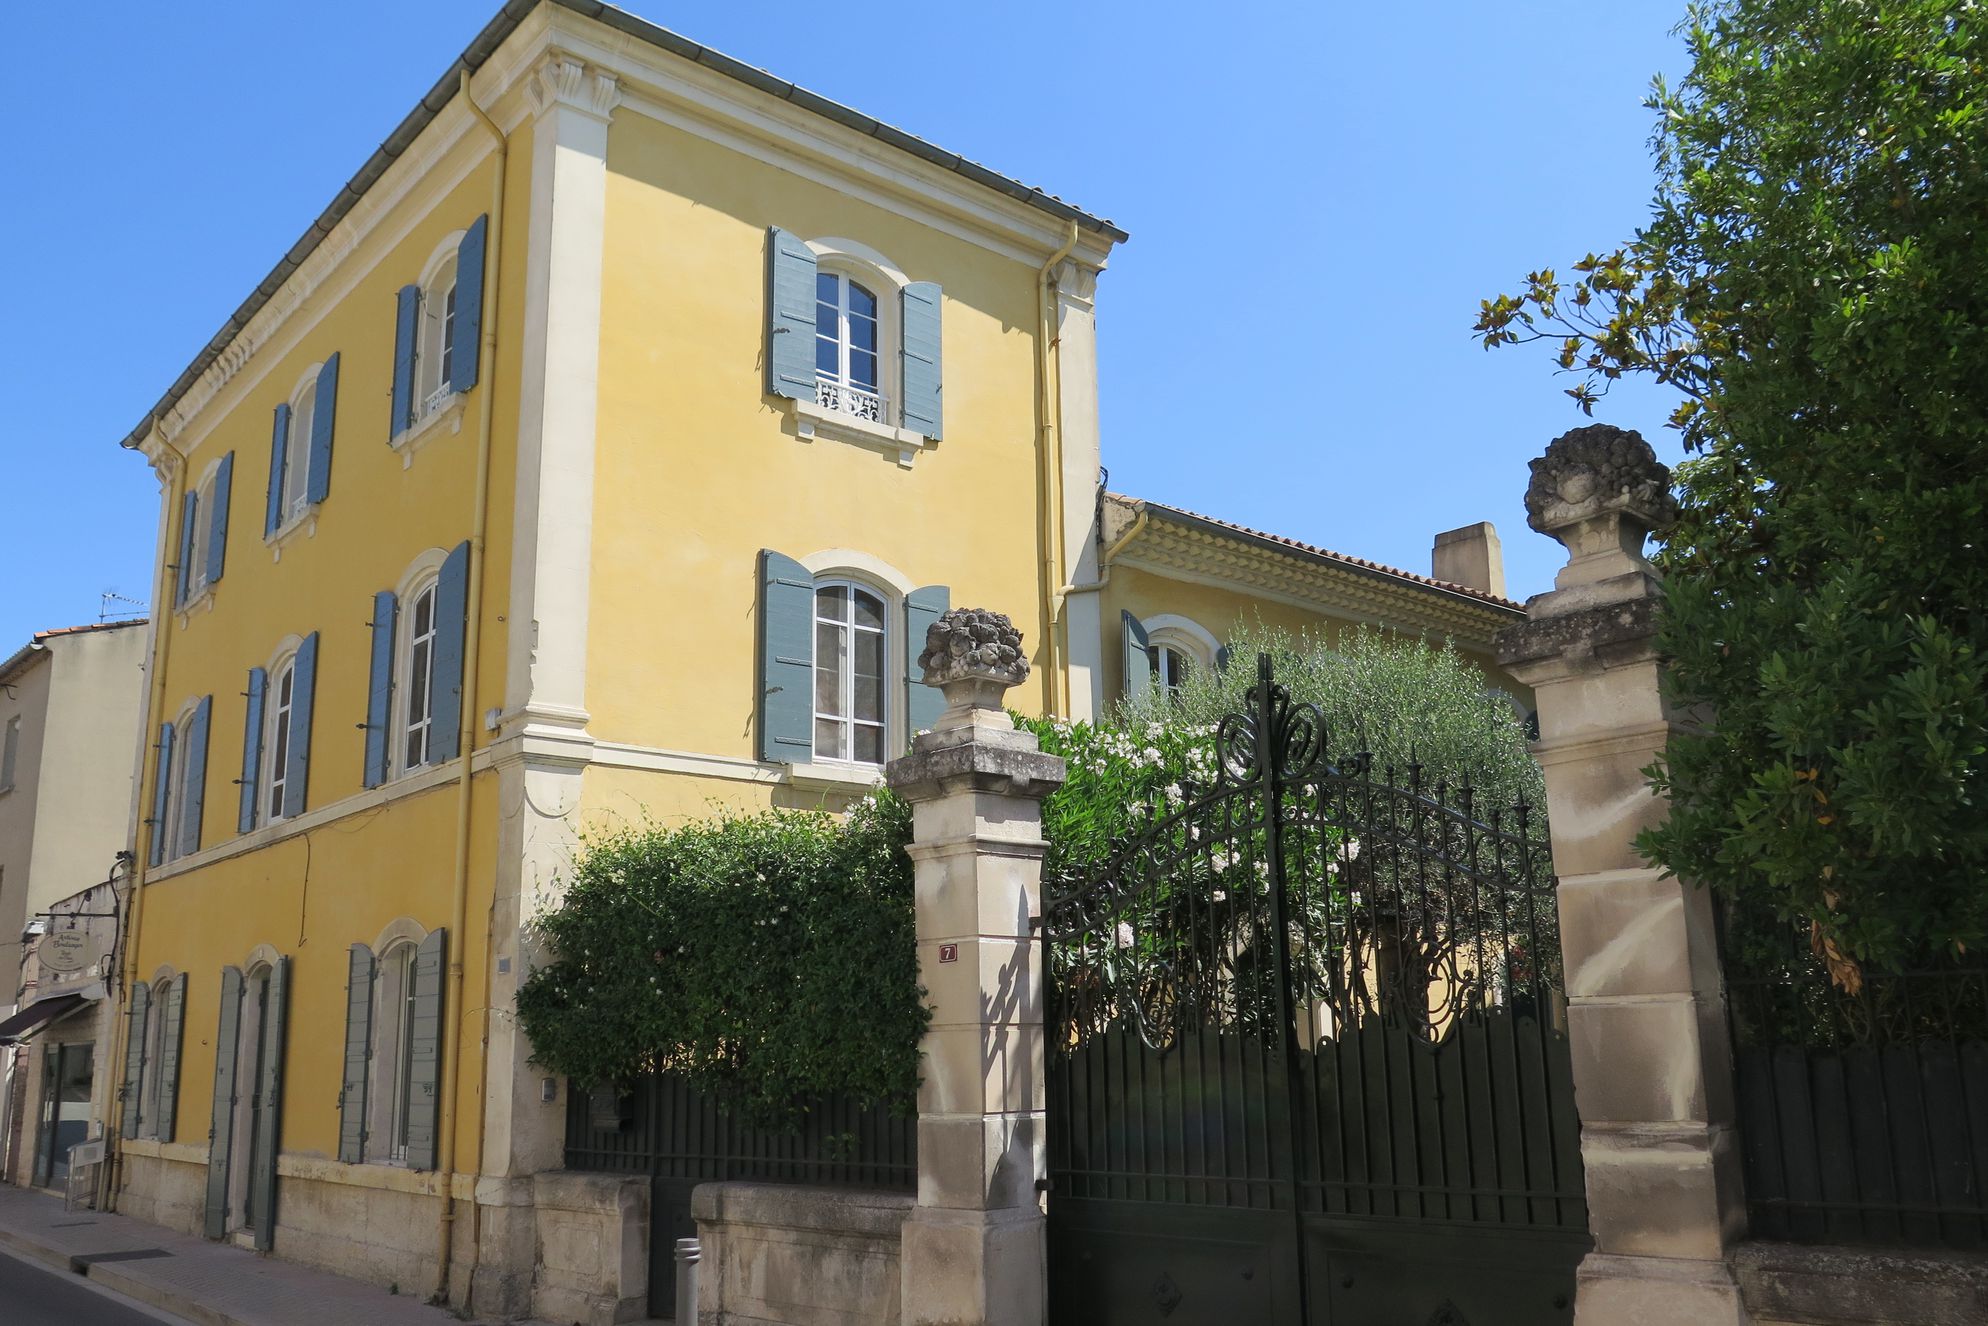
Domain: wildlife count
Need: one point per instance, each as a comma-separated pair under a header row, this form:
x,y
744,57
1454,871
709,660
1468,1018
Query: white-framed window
x,y
434,346
849,345
851,673
149,1079
203,524
179,787
278,710
1171,665
10,753
414,690
393,1054
296,496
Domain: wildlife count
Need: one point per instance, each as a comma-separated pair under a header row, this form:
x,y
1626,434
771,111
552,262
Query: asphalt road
x,y
35,1294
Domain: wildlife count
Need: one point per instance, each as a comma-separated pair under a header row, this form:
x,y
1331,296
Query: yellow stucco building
x,y
599,455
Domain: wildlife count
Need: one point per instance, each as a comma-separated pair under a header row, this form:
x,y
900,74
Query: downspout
x,y
1049,486
155,681
445,1132
1109,555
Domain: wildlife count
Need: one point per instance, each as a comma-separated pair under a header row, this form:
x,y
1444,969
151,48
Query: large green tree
x,y
1814,282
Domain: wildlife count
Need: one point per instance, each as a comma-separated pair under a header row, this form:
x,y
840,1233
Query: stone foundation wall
x,y
370,1222
165,1185
593,1248
785,1255
1788,1285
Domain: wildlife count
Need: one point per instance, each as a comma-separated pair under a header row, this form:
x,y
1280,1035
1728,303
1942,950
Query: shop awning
x,y
38,1015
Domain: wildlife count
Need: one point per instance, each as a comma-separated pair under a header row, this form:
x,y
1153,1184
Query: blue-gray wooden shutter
x,y
466,339
786,659
1222,658
451,632
279,438
183,572
923,405
406,322
790,316
1138,664
324,419
162,787
303,693
269,1105
221,1125
217,519
135,1018
424,1059
379,688
258,687
359,971
196,774
165,1103
922,704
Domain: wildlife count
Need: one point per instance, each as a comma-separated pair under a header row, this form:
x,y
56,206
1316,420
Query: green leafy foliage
x,y
770,959
1405,701
1812,281
767,958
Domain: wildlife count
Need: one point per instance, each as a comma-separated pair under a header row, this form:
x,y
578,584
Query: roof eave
x,y
473,58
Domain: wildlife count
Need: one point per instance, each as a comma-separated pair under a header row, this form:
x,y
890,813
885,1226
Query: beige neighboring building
x,y
69,715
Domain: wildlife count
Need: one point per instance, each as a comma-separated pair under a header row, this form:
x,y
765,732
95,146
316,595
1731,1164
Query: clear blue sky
x,y
1318,195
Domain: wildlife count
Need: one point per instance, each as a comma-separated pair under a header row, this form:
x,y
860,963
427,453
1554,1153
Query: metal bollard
x,y
688,1254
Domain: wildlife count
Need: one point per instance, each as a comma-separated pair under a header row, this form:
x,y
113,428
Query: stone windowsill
x,y
447,417
304,525
813,421
851,779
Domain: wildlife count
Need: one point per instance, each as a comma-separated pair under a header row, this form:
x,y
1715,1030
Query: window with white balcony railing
x,y
848,348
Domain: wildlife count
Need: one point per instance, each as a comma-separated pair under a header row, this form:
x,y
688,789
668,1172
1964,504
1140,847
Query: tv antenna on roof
x,y
117,607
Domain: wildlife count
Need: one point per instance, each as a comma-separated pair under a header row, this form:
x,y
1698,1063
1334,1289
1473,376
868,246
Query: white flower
x,y
1352,849
1124,935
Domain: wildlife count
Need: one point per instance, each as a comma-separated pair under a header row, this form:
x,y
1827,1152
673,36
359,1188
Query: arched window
x,y
1176,647
151,1080
851,710
1171,665
182,832
434,353
297,450
848,346
278,714
201,512
414,744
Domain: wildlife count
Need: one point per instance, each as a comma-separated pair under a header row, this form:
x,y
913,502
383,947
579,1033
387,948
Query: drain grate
x,y
132,1255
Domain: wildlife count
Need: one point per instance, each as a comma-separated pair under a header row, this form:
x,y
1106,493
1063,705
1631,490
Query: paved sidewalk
x,y
210,1283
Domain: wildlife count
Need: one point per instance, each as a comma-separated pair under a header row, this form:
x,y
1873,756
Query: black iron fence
x,y
1863,1115
664,1128
679,1137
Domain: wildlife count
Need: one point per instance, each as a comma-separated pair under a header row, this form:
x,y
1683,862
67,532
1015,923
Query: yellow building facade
x,y
595,458
1170,586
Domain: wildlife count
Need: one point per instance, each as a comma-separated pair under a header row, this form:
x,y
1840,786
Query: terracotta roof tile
x,y
1326,554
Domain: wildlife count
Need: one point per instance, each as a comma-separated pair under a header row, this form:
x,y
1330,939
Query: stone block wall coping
x,y
589,1193
980,766
862,1212
1861,1286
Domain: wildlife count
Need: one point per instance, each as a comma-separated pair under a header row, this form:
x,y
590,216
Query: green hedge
x,y
768,958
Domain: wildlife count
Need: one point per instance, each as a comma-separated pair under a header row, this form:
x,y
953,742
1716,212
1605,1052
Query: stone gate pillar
x,y
974,1250
1646,1017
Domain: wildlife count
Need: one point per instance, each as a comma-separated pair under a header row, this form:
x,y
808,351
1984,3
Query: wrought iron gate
x,y
1308,1057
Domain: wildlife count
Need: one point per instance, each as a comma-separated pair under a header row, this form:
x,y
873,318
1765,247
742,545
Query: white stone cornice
x,y
563,79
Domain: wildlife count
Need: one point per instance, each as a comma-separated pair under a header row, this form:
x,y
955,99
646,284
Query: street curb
x,y
41,1252
111,1277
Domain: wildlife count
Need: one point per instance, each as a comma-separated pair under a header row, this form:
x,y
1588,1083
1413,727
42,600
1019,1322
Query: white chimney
x,y
1470,556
